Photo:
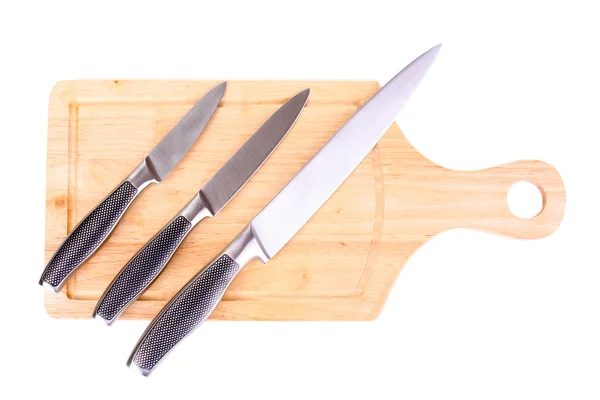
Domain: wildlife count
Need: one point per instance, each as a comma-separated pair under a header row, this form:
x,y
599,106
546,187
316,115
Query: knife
x,y
148,263
95,228
282,218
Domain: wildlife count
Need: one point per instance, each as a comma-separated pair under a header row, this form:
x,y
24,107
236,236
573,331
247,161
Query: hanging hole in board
x,y
525,199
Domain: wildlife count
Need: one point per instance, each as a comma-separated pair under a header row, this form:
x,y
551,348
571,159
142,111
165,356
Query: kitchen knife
x,y
282,218
149,262
95,228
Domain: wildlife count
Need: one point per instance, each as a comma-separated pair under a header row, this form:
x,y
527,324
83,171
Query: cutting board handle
x,y
481,199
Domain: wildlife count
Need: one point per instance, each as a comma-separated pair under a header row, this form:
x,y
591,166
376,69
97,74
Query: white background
x,y
472,315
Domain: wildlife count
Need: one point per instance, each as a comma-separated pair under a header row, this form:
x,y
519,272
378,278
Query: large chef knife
x,y
149,262
95,228
282,218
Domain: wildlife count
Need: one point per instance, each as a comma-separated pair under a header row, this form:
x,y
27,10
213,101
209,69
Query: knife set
x,y
261,239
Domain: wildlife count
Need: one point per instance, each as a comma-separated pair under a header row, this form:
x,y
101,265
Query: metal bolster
x,y
196,210
142,176
245,248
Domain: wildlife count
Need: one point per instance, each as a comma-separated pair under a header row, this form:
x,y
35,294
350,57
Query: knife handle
x,y
148,263
194,303
94,229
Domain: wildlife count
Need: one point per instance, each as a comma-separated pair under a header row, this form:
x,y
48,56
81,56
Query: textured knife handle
x,y
186,311
142,270
87,237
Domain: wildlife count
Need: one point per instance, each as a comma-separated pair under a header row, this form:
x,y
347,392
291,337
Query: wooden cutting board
x,y
340,266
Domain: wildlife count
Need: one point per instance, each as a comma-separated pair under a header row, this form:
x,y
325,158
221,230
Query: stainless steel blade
x,y
244,163
171,149
283,217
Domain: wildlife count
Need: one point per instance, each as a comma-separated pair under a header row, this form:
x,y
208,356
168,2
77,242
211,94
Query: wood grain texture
x,y
340,266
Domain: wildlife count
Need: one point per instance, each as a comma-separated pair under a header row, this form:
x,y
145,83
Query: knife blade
x,y
281,219
149,262
93,230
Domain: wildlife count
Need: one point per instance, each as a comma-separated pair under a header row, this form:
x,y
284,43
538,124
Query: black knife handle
x,y
141,270
186,311
88,236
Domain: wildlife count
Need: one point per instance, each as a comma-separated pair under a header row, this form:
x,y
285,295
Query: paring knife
x,y
95,228
282,218
148,263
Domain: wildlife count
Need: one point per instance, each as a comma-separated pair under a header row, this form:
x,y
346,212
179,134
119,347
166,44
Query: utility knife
x,y
148,263
282,218
96,227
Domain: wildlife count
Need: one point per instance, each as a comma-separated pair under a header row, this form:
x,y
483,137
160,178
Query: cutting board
x,y
340,266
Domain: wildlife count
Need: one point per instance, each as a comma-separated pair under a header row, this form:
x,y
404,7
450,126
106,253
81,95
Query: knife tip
x,y
303,95
221,86
435,49
219,89
425,60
